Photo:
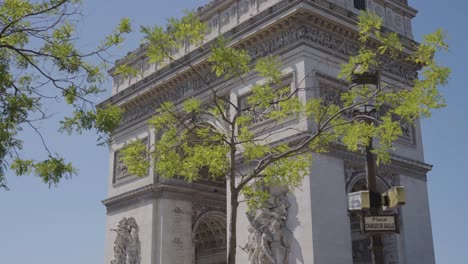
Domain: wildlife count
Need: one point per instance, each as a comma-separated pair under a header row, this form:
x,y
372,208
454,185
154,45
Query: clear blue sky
x,y
66,225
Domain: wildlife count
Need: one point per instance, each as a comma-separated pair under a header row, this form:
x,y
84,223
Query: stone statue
x,y
268,241
127,242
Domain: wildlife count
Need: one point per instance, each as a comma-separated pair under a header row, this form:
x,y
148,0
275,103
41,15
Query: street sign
x,y
358,200
380,224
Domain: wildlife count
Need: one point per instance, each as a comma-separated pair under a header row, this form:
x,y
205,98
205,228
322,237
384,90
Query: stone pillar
x,y
300,224
416,222
330,221
173,236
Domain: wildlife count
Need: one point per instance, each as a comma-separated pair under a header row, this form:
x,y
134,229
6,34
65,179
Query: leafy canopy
x,y
40,64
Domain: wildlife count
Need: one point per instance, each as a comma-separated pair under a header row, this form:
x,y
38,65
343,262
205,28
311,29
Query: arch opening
x,y
209,239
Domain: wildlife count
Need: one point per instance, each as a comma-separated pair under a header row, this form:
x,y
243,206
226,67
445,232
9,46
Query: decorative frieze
x,y
311,34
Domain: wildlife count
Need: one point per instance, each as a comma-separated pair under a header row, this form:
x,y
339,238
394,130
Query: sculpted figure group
x,y
269,238
127,242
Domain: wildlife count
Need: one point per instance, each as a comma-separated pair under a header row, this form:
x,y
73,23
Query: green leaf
x,y
192,105
108,118
228,61
51,170
269,67
135,156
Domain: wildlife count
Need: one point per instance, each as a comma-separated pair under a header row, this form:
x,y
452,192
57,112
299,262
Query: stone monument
x,y
156,221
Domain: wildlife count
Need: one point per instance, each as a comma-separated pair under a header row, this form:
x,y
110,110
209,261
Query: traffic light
x,y
358,201
394,197
364,200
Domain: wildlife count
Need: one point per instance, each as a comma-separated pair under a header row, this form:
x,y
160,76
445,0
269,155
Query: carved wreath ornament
x,y
127,242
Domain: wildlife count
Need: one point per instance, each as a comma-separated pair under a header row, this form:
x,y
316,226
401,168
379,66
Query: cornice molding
x,y
175,189
135,193
399,164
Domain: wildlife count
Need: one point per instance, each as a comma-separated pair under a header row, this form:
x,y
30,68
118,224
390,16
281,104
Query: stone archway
x,y
209,239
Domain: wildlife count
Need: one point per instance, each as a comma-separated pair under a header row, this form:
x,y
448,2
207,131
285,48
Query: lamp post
x,y
370,82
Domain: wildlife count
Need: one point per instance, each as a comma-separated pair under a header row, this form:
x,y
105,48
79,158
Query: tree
x,y
40,64
189,146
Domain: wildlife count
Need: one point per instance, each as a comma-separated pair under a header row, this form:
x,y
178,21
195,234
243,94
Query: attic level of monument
x,y
218,6
214,12
322,14
299,25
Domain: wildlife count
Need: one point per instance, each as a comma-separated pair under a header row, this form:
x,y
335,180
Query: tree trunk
x,y
233,228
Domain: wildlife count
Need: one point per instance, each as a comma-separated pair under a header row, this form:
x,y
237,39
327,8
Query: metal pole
x,y
376,240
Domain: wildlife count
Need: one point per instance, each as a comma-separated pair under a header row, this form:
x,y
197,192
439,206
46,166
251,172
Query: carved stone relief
x,y
269,238
330,89
260,115
260,2
120,170
286,38
408,27
200,207
351,170
225,18
244,6
212,25
278,5
210,233
399,22
355,170
390,22
127,242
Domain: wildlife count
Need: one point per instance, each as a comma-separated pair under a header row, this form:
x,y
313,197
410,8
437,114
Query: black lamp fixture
x,y
364,81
